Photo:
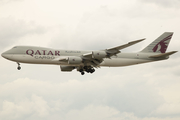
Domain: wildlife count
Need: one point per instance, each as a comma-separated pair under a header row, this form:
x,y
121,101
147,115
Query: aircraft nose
x,y
3,55
7,55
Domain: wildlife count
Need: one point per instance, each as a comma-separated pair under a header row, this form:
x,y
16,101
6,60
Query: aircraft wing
x,y
115,50
91,59
96,57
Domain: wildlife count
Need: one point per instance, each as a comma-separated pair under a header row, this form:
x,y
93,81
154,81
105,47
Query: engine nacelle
x,y
99,54
74,60
66,68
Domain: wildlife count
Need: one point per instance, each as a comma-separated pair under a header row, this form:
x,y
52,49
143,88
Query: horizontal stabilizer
x,y
163,54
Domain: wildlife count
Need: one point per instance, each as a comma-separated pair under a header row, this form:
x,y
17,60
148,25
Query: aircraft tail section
x,y
160,44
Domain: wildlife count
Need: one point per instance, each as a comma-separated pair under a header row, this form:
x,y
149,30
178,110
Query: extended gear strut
x,y
19,67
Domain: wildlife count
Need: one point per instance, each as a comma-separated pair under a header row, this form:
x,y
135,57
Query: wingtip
x,y
143,39
175,51
136,41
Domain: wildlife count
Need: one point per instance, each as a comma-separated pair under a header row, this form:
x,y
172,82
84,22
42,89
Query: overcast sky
x,y
42,92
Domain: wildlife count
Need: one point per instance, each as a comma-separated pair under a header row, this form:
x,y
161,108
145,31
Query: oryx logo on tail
x,y
162,45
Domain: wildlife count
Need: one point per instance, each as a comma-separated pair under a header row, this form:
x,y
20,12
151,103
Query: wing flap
x,y
163,54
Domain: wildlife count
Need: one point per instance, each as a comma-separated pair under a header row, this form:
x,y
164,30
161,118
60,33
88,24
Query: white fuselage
x,y
40,55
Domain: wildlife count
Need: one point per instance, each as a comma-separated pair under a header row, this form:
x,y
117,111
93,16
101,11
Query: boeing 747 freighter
x,y
87,61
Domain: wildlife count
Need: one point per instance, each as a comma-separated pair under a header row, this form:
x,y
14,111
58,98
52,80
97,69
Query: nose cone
x,y
7,54
3,55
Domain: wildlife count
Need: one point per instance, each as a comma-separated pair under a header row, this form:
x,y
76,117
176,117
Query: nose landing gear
x,y
19,67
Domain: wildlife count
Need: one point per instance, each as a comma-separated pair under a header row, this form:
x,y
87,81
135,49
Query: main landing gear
x,y
82,73
88,69
19,67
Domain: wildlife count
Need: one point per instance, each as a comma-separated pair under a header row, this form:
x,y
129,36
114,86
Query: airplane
x,y
87,61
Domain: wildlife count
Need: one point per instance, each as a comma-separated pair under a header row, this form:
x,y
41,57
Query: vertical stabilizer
x,y
160,44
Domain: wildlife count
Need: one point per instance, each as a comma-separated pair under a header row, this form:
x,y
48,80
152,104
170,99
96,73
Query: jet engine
x,y
66,68
74,60
99,54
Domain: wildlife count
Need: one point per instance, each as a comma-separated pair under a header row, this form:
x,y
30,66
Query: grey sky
x,y
12,30
141,92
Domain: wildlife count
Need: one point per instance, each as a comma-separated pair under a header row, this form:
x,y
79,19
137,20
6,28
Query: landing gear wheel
x,y
92,71
82,73
18,67
89,69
